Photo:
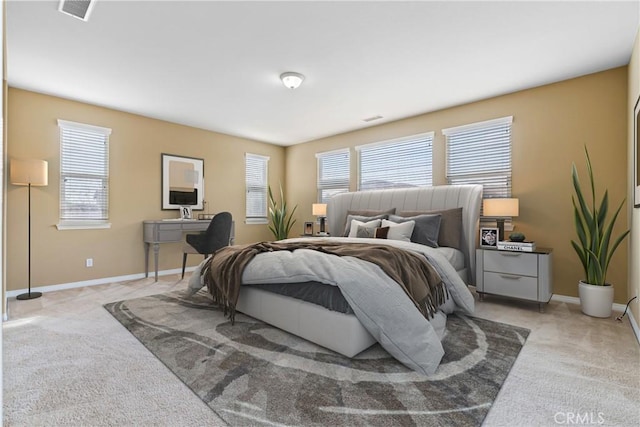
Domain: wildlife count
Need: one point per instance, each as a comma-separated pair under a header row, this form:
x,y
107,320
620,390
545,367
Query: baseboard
x,y
94,282
634,325
576,300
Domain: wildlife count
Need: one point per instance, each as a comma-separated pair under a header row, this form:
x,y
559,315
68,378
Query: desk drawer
x,y
198,226
511,285
518,263
169,235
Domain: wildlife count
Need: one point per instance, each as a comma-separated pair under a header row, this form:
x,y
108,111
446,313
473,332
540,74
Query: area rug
x,y
251,373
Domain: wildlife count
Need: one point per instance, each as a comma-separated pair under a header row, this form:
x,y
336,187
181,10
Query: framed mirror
x,y
182,182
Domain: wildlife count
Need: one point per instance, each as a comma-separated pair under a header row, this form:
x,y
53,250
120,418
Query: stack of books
x,y
508,245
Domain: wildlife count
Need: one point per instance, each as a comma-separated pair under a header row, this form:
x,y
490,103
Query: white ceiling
x,y
215,65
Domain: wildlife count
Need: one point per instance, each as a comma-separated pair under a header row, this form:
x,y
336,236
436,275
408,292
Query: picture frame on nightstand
x,y
489,237
308,229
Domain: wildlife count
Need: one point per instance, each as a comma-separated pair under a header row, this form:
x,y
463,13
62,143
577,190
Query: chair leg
x,y
184,262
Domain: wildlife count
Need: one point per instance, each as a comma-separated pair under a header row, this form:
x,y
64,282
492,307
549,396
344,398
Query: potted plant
x,y
281,220
594,246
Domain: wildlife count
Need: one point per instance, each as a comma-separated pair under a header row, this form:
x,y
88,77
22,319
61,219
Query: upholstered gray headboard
x,y
468,197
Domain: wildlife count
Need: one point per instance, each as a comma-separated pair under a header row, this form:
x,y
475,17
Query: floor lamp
x,y
29,172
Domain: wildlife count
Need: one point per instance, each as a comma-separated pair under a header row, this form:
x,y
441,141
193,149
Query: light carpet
x,y
254,374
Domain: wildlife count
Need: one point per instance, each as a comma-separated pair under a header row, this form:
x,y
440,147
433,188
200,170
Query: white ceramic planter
x,y
596,301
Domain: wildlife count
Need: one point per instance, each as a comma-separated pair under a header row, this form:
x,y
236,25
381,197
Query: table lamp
x,y
500,208
320,210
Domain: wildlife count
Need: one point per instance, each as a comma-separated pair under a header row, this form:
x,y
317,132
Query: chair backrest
x,y
218,233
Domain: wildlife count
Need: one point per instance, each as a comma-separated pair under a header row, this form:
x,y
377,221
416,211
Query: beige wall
x,y
135,180
634,253
551,125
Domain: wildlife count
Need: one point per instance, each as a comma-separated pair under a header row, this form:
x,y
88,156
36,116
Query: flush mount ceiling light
x,y
291,80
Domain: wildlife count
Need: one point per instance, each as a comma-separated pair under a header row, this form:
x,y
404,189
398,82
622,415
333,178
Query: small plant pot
x,y
595,301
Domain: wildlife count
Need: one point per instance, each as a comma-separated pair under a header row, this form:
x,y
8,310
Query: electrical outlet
x,y
89,262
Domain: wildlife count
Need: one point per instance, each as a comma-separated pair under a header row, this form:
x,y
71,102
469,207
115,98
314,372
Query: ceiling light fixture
x,y
291,80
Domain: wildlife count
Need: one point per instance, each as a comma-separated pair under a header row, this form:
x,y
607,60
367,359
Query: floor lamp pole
x,y
29,295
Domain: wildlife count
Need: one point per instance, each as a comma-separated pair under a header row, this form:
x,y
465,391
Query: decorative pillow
x,y
426,229
399,231
366,232
381,233
365,216
355,224
450,225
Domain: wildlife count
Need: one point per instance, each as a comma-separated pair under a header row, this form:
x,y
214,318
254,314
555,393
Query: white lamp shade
x,y
29,171
319,209
500,207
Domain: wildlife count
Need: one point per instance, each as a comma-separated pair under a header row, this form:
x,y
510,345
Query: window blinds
x,y
256,188
333,174
404,162
84,172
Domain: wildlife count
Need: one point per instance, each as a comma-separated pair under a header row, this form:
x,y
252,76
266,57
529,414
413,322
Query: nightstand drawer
x,y
511,285
519,263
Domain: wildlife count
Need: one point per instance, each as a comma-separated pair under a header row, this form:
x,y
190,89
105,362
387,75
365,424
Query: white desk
x,y
169,231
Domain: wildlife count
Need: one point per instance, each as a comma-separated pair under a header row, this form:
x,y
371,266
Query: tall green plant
x,y
594,233
281,220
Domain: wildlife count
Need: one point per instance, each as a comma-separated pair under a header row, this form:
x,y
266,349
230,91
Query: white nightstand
x,y
521,275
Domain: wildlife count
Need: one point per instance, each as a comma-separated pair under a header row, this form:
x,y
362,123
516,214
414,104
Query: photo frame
x,y
489,237
308,229
636,154
182,182
185,212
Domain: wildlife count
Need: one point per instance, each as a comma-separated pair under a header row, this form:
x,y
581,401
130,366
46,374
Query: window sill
x,y
82,225
256,221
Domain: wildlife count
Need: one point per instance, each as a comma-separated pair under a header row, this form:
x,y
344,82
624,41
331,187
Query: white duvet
x,y
377,301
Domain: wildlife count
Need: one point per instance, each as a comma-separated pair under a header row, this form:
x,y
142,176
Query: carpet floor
x,y
251,373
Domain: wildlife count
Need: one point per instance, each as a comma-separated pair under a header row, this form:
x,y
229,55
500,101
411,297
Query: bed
x,y
351,332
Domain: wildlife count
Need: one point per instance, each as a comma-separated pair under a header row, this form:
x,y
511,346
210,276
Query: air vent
x,y
77,8
370,119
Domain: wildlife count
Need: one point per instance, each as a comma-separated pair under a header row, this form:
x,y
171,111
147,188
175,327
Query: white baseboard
x,y
576,300
94,282
634,325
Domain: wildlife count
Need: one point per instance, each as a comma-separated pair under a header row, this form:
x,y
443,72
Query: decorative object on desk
x,y
217,236
594,246
320,210
516,236
29,172
182,182
500,208
206,216
508,245
489,237
308,229
185,212
281,219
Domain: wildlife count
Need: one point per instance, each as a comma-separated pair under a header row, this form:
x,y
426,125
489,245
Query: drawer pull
x,y
510,254
504,276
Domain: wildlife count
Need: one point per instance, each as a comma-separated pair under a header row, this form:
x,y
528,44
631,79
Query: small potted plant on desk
x,y
594,246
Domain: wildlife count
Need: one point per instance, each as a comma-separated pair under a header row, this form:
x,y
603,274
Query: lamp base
x,y
29,295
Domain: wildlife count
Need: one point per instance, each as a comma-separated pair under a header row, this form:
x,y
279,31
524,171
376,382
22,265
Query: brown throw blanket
x,y
222,273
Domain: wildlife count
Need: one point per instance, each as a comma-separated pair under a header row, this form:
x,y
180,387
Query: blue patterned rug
x,y
254,374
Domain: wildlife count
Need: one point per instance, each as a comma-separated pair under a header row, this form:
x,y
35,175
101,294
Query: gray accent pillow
x,y
365,216
450,232
426,230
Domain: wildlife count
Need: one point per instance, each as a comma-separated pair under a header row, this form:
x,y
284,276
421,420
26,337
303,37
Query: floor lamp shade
x,y
29,172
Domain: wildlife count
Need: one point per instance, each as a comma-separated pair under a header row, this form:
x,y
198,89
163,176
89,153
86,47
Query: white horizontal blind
x,y
480,153
403,162
333,174
256,187
84,172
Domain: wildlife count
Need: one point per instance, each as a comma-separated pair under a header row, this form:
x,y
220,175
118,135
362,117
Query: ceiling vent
x,y
77,8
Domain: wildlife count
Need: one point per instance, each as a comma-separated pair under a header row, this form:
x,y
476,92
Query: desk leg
x,y
156,250
146,260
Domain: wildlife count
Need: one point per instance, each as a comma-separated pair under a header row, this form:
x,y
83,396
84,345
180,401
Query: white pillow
x,y
353,231
400,231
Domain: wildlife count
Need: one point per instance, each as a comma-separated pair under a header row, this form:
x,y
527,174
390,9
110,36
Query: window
x,y
480,153
256,182
84,175
333,174
403,162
